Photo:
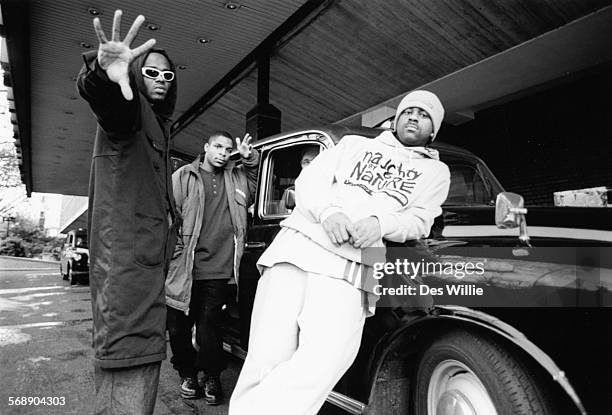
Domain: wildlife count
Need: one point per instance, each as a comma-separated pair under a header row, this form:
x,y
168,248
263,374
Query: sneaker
x,y
190,388
212,390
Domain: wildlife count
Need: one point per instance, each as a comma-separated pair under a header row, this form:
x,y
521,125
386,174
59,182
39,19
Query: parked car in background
x,y
540,345
74,262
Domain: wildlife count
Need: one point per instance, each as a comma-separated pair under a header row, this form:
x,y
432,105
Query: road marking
x,y
28,289
75,289
36,306
12,336
41,274
30,297
10,305
31,325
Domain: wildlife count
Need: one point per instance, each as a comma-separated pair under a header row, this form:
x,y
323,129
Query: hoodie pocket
x,y
149,240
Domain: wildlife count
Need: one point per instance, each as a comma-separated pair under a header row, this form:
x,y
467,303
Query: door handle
x,y
255,245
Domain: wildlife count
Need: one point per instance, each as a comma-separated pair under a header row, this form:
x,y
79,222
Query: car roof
x,y
338,131
79,231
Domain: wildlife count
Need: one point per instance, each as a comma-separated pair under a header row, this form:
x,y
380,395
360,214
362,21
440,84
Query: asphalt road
x,y
45,348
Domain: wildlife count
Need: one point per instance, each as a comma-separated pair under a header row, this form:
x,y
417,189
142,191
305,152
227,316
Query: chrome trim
x,y
515,336
459,231
255,245
350,405
298,137
268,141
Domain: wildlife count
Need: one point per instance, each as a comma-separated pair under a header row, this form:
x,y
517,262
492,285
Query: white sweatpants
x,y
305,333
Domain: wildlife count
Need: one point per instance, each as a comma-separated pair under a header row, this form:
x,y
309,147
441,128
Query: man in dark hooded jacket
x,y
131,221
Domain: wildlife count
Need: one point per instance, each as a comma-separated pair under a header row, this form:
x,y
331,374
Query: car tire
x,y
466,371
71,276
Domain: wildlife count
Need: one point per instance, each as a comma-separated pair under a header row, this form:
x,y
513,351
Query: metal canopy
x,y
58,31
335,61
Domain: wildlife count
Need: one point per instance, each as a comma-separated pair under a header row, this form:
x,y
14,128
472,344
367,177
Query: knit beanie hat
x,y
427,101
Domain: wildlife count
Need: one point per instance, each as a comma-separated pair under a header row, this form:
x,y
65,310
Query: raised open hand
x,y
115,56
244,147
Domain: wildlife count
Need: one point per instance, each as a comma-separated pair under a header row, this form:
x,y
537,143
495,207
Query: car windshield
x,y
471,184
81,242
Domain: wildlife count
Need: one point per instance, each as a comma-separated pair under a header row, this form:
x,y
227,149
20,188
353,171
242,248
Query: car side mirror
x,y
510,213
290,199
508,208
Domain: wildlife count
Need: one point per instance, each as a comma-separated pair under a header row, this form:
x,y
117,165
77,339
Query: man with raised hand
x,y
212,195
132,217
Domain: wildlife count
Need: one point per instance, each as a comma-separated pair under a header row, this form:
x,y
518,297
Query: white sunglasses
x,y
155,73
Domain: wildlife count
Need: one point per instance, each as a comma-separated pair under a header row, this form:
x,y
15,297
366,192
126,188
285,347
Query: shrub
x,y
12,247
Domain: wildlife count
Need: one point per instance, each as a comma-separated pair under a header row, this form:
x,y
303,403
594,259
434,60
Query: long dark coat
x,y
132,218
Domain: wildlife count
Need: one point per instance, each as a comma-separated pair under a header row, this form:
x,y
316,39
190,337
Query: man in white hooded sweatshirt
x,y
316,287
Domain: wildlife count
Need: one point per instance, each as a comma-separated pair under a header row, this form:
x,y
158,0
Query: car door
x,y
280,166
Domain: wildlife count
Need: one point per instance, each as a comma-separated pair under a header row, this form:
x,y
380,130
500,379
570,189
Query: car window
x,y
283,167
467,186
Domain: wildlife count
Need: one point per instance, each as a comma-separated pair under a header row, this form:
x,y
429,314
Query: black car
x,y
74,262
540,343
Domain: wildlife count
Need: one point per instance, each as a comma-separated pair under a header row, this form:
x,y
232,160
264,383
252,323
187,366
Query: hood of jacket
x,y
164,108
388,138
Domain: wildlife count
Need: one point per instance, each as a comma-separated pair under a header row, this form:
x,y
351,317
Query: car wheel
x,y
71,276
463,373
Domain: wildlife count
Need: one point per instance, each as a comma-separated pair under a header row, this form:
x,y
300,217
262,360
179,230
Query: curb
x,y
38,261
29,269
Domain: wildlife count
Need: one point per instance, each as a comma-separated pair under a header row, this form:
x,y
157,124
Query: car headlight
x,y
77,257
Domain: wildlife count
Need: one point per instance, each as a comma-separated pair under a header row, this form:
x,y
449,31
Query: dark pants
x,y
207,298
126,391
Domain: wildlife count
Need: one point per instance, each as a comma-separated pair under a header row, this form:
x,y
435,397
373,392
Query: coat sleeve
x,y
313,187
114,113
179,191
415,222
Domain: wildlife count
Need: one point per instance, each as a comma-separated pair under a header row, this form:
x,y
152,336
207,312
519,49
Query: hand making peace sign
x,y
115,56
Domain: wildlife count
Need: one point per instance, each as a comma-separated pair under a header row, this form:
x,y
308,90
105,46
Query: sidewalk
x,y
9,263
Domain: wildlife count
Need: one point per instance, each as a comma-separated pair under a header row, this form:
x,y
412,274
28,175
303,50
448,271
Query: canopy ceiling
x,y
331,62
